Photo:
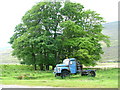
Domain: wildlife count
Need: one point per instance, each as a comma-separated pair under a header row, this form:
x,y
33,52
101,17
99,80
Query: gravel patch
x,y
20,86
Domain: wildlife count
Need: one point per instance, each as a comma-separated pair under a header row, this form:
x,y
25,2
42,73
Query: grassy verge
x,y
25,75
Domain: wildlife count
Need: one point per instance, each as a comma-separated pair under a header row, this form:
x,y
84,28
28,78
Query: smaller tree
x,y
82,44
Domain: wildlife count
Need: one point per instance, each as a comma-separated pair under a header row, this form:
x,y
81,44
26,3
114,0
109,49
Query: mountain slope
x,y
111,30
7,58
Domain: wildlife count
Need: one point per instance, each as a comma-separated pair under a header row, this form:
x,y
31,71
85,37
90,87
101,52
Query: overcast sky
x,y
11,12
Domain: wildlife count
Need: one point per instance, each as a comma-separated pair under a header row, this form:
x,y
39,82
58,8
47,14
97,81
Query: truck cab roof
x,y
72,59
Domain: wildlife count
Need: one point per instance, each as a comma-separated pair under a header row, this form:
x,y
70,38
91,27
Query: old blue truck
x,y
71,66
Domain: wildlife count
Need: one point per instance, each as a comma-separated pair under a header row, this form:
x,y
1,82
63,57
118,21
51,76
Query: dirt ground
x,y
20,86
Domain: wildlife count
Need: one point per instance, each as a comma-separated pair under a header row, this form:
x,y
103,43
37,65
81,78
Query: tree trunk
x,y
47,67
53,66
41,67
34,59
35,67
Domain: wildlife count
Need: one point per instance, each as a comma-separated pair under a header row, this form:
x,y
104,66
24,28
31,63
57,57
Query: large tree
x,y
50,31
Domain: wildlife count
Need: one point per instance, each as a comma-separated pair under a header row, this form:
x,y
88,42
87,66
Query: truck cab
x,y
70,66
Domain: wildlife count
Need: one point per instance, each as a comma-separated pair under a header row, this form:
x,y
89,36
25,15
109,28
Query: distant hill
x,y
111,53
111,29
7,58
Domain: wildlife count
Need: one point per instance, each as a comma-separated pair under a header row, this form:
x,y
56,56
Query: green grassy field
x,y
25,75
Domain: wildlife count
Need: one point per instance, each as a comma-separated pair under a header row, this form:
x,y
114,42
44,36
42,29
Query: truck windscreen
x,y
66,61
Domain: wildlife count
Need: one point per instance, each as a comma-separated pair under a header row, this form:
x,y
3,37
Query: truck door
x,y
72,66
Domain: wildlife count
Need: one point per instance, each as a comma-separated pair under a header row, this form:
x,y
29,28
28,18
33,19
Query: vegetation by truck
x,y
71,66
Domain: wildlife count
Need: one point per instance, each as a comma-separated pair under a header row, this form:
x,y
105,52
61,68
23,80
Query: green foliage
x,y
82,44
50,31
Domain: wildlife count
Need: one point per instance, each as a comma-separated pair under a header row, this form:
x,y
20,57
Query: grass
x,y
105,78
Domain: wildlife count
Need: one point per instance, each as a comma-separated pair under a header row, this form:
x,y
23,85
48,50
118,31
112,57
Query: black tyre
x,y
57,74
65,73
92,74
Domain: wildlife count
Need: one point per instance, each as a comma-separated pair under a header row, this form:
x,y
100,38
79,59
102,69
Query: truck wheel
x,y
92,74
57,74
65,73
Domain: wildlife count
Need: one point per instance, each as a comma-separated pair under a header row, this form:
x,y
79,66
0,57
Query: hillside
x,y
111,29
111,53
7,58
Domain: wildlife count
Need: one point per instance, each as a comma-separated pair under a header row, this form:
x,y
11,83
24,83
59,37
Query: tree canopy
x,y
51,31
